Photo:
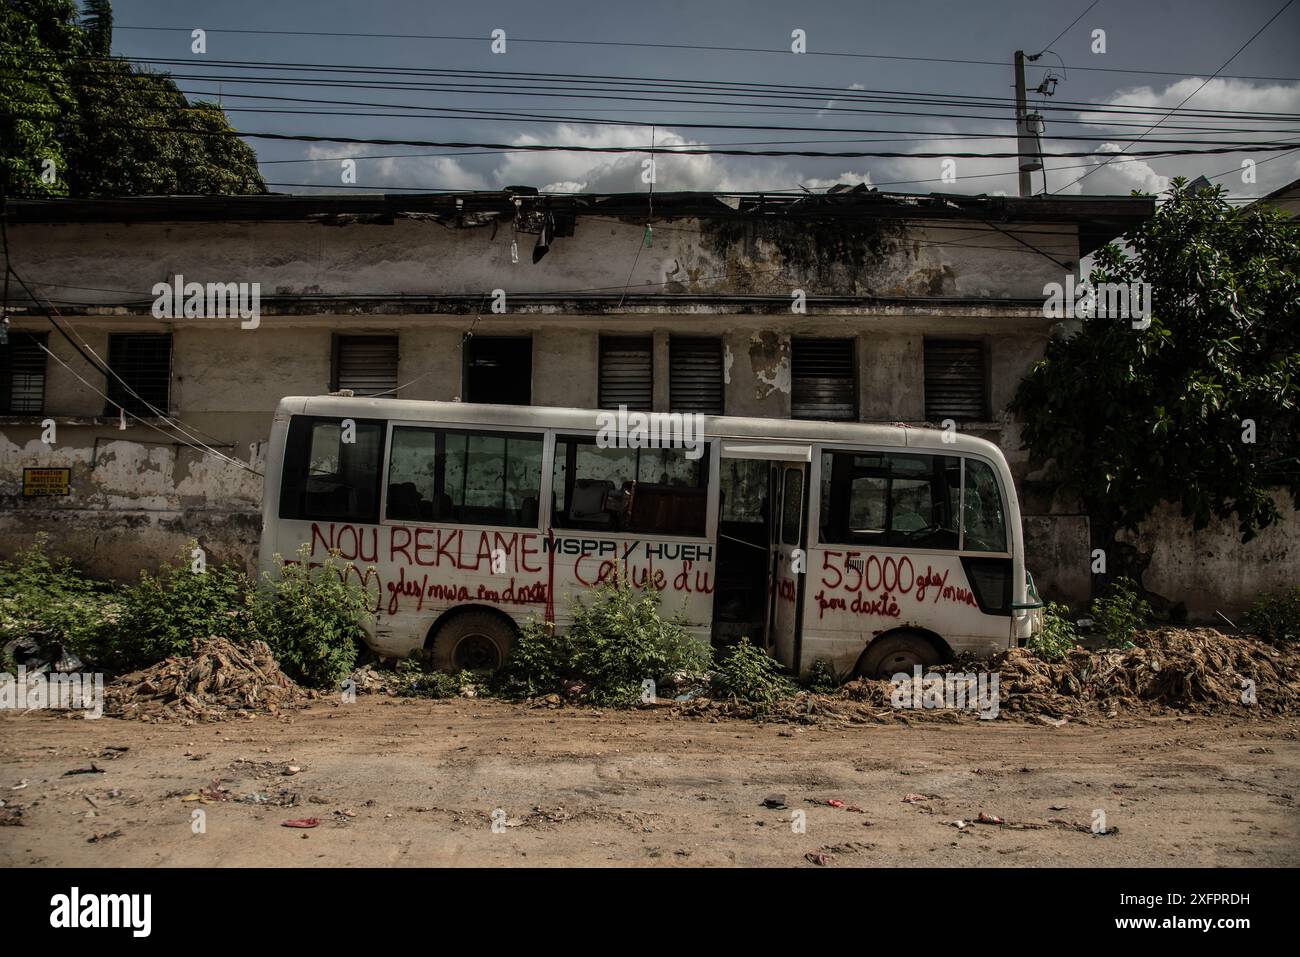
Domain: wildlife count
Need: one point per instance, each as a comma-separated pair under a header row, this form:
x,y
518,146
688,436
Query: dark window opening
x,y
956,383
465,477
365,364
142,367
22,373
890,499
656,491
627,373
499,370
792,507
332,469
695,375
824,383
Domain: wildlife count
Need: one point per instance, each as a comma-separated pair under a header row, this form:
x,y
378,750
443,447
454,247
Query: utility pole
x,y
1022,128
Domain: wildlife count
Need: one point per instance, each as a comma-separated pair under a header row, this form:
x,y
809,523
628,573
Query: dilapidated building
x,y
853,305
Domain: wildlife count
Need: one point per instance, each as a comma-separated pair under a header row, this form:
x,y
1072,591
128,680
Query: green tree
x,y
110,128
1126,419
38,39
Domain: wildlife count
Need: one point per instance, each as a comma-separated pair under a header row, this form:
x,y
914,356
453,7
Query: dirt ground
x,y
417,782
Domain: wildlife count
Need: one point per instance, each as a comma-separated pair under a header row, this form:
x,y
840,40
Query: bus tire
x,y
472,641
899,652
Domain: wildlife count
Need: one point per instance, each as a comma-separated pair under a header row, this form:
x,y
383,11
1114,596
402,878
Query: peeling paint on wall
x,y
769,357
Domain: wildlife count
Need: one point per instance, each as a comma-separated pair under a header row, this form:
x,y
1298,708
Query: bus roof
x,y
584,420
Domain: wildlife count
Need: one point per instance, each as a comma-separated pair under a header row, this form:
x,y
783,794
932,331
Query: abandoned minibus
x,y
874,547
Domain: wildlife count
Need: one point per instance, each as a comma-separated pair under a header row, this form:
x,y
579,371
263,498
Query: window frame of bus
x,y
826,537
555,512
296,465
541,435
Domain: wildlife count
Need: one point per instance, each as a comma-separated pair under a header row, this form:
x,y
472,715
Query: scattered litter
x,y
219,679
291,770
11,817
821,860
98,838
989,819
915,798
774,801
20,785
93,769
302,822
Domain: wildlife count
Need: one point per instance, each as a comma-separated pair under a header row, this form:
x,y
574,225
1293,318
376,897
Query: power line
x,y
1203,85
661,150
711,48
1069,28
538,82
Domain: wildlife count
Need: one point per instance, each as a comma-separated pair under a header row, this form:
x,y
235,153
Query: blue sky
x,y
1193,38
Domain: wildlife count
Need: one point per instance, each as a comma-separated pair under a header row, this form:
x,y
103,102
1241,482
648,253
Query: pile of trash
x,y
1199,670
218,680
1187,669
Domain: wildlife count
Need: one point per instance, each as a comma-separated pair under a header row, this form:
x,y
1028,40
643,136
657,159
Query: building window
x,y
627,372
695,375
956,384
22,374
365,364
499,370
653,491
465,477
141,364
824,384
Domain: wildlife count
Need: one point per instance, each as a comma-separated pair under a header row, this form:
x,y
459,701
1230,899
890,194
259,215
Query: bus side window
x,y
629,490
464,476
889,499
327,478
983,518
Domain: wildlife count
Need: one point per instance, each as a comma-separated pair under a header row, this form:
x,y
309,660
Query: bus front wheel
x,y
900,652
473,641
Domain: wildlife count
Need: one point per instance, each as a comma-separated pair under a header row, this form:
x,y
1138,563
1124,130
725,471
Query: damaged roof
x,y
1098,218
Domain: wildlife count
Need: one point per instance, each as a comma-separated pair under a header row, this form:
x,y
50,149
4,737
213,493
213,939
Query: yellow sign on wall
x,y
47,482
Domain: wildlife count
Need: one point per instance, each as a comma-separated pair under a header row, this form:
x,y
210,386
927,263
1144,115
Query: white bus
x,y
875,547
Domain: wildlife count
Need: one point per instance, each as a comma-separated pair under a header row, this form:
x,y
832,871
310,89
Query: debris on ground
x,y
219,680
302,822
1189,669
1168,669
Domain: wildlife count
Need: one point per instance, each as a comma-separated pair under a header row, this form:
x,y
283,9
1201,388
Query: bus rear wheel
x,y
901,652
473,641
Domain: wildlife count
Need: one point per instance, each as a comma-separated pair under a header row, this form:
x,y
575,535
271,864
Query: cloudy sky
x,y
907,76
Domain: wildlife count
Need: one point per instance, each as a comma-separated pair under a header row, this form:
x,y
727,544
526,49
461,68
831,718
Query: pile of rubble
x,y
219,680
1197,670
1188,669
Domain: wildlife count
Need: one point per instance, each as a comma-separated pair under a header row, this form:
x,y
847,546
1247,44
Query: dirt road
x,y
398,782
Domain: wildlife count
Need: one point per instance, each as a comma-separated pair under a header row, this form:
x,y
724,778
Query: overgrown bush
x,y
162,614
1119,613
417,678
822,677
748,673
46,598
1058,635
1276,618
617,640
311,618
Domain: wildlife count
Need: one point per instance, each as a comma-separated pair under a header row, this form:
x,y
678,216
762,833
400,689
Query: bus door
x,y
750,541
789,558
